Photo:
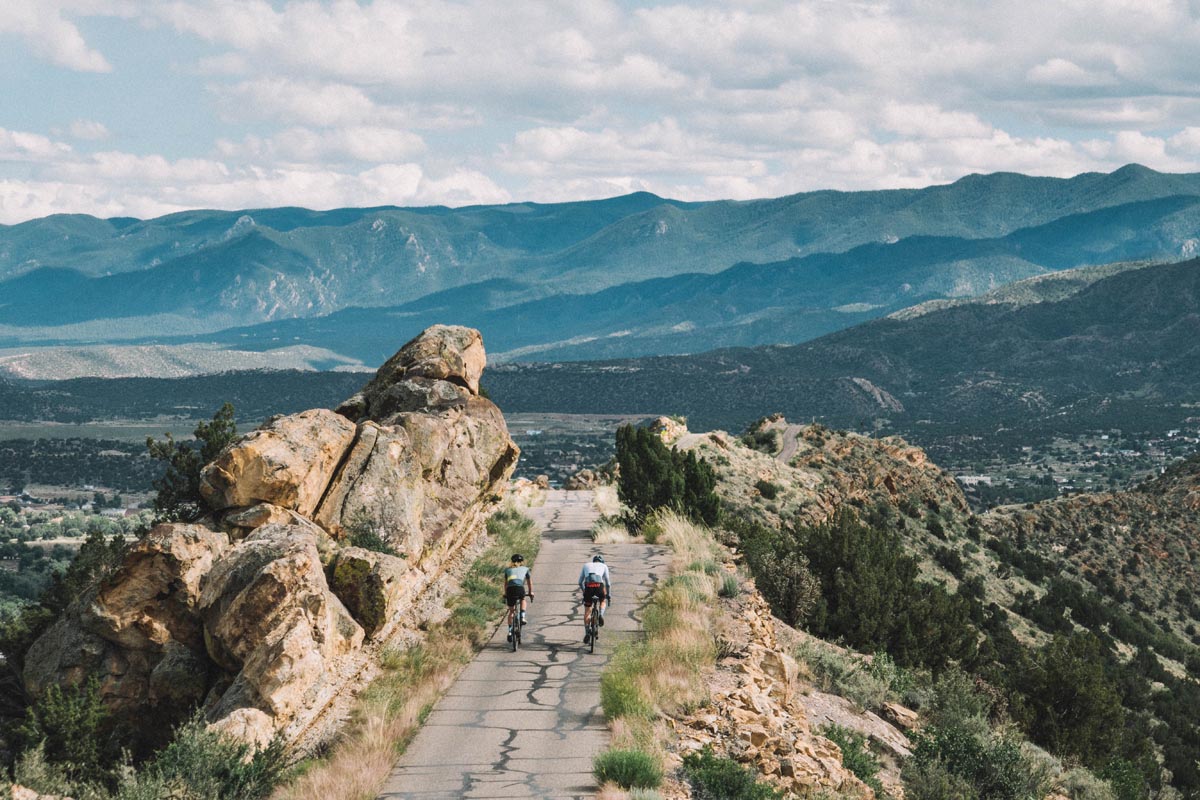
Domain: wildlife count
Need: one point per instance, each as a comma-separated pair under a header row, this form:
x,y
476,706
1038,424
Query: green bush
x,y
72,727
780,568
767,489
363,532
178,496
1080,784
931,780
619,694
856,757
628,769
209,765
716,778
729,586
993,765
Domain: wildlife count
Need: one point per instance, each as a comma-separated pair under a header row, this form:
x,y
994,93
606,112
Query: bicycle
x,y
517,623
593,628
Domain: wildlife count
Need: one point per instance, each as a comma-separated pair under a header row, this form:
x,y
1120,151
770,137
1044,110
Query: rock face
x,y
758,715
261,612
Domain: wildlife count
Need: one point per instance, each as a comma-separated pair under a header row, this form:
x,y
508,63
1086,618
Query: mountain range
x,y
1097,347
629,276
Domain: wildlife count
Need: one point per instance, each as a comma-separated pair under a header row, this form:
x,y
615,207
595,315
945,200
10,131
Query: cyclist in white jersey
x,y
594,583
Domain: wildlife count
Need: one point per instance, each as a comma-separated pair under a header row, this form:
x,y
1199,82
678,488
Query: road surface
x,y
791,443
528,724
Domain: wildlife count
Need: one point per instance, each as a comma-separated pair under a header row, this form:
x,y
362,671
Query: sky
x,y
138,108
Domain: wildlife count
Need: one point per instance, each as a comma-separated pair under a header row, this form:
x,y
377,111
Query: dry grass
x,y
662,672
393,707
606,502
610,533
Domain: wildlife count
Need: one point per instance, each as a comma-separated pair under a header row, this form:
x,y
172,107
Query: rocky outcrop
x,y
264,610
757,714
813,471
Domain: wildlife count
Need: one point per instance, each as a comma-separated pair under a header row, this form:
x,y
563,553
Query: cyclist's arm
x,y
529,583
582,575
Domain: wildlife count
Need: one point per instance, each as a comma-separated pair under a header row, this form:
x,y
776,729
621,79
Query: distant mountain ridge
x,y
1119,349
631,275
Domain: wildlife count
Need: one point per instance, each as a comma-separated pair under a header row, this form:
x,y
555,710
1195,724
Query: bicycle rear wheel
x,y
594,632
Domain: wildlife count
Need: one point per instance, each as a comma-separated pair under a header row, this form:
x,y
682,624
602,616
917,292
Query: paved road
x,y
527,724
791,443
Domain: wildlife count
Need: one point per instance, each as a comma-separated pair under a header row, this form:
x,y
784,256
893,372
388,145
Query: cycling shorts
x,y
514,593
592,594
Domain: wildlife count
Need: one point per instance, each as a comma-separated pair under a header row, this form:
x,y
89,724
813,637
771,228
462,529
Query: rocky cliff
x,y
263,611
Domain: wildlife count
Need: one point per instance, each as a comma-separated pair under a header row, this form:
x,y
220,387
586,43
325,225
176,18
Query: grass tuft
x,y
629,769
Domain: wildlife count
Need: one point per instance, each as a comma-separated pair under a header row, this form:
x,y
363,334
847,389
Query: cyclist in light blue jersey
x,y
518,588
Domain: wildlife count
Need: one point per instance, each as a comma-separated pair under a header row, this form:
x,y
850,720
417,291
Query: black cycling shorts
x,y
592,594
514,594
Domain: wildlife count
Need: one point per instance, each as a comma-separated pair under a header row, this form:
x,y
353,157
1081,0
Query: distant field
x,y
125,431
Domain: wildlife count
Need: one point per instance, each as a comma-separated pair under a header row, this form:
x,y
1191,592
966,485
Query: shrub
x,y
1073,706
716,778
870,596
930,780
213,765
628,769
71,725
767,489
780,569
994,766
729,586
1080,784
855,755
363,532
178,487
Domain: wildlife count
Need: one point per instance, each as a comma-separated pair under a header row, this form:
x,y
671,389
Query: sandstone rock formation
x,y
263,611
758,714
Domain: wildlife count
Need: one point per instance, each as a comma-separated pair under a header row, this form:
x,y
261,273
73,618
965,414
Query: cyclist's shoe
x,y
601,620
509,636
524,619
587,637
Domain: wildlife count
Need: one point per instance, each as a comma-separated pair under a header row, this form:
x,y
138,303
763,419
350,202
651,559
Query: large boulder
x,y
288,462
259,615
270,618
139,633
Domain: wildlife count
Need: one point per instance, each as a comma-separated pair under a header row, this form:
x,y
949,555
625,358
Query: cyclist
x,y
518,588
593,581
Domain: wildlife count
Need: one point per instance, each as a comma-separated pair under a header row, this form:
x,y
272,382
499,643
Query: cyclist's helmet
x,y
517,558
598,558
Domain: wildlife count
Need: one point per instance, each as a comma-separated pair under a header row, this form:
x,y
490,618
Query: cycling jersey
x,y
594,574
516,576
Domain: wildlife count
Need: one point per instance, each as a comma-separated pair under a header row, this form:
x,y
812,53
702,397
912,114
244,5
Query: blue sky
x,y
125,107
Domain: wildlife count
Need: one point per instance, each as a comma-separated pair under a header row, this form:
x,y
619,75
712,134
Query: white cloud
x,y
460,101
88,130
24,146
45,28
1061,72
360,143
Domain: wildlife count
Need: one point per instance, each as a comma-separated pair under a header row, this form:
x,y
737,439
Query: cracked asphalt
x,y
527,724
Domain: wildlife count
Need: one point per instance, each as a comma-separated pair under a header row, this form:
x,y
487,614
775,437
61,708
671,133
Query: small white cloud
x,y
31,147
1061,72
928,121
88,130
